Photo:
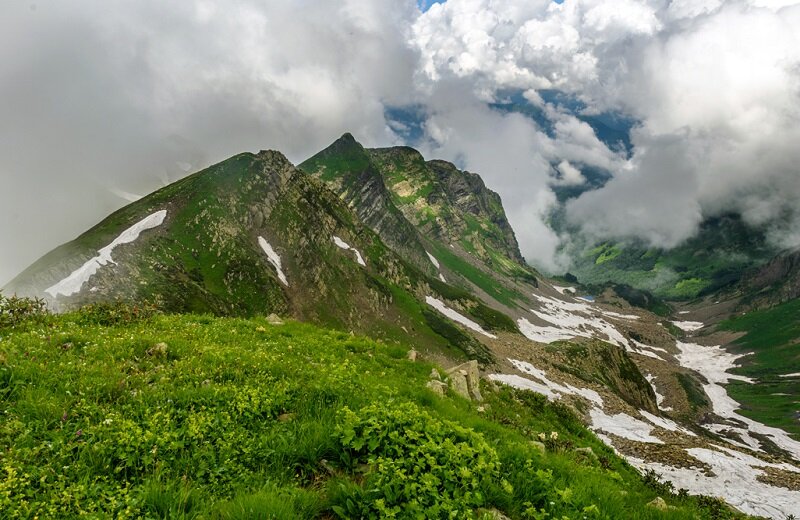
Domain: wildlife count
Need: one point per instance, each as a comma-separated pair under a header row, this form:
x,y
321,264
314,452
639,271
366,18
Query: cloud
x,y
714,85
119,97
570,175
104,100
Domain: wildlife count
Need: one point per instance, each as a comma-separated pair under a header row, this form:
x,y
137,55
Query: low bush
x,y
419,465
15,310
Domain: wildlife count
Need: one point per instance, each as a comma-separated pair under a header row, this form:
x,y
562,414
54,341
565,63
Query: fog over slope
x,y
102,102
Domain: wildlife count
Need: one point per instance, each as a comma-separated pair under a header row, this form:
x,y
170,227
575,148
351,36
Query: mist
x,y
103,102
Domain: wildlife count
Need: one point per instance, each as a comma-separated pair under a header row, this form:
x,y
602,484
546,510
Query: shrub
x,y
418,466
15,310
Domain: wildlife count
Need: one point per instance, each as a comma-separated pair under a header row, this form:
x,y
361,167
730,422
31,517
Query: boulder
x,y
158,350
458,384
437,387
658,503
539,446
469,371
587,451
412,355
274,319
492,514
435,375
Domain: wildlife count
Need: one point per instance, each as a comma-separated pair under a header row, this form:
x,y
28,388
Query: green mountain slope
x,y
716,258
773,336
454,216
208,255
199,417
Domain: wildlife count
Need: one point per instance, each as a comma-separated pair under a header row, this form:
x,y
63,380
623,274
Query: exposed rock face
x,y
467,192
346,167
446,203
776,282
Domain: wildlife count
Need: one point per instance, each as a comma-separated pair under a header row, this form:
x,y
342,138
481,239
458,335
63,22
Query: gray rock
x,y
435,375
437,387
412,355
589,452
469,371
158,350
458,384
492,514
658,503
273,319
539,446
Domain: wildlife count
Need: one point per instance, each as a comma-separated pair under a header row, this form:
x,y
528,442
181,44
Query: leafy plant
x,y
419,466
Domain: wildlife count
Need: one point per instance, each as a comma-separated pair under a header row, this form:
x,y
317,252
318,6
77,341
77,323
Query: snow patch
x,y
735,480
644,350
274,259
572,319
713,363
795,374
562,290
667,424
441,277
623,425
347,247
689,326
433,260
542,384
455,316
72,284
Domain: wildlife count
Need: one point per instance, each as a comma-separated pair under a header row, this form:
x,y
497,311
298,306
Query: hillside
x,y
201,417
716,258
253,236
418,255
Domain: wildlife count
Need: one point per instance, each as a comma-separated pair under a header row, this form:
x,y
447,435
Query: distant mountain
x,y
716,258
775,282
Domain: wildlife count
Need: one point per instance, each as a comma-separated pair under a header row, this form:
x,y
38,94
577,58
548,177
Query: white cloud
x,y
107,98
570,175
715,85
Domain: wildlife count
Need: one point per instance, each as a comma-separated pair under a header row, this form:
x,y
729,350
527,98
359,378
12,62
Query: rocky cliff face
x,y
453,205
346,166
776,282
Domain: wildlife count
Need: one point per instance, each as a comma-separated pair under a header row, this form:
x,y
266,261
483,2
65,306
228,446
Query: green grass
x,y
773,336
235,418
482,280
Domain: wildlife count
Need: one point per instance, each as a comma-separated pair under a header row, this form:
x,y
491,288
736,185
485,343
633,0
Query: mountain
x,y
775,282
251,235
417,255
460,224
724,249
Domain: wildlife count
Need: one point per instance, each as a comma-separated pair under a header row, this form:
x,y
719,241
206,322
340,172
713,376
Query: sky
x,y
101,102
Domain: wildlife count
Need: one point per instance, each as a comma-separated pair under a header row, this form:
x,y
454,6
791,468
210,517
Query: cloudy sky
x,y
102,101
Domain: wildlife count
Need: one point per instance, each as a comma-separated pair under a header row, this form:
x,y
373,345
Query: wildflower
x,y
542,437
553,436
